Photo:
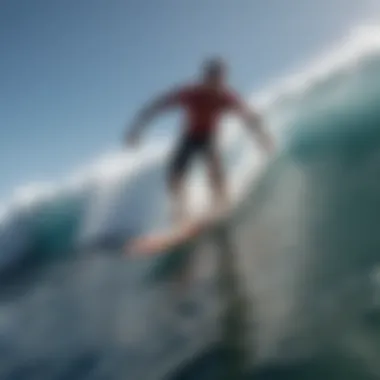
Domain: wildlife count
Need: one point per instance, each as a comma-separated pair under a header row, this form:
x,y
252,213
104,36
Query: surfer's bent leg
x,y
216,176
177,171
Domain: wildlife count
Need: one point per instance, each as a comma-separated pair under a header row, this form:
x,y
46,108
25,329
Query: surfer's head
x,y
214,71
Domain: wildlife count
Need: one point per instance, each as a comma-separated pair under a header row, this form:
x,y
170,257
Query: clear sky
x,y
72,72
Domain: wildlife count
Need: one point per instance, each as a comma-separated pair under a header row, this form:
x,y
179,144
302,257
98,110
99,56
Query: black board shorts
x,y
187,149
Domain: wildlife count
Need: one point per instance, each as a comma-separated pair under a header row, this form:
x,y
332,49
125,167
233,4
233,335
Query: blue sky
x,y
72,72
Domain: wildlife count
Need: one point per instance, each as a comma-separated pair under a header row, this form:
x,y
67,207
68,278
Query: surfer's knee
x,y
219,187
215,169
217,177
174,181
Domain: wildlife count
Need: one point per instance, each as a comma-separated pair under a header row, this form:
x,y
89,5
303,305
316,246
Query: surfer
x,y
204,103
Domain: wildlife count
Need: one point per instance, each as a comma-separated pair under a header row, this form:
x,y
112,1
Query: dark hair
x,y
214,66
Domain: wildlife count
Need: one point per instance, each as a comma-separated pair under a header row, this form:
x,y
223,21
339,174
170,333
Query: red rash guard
x,y
204,107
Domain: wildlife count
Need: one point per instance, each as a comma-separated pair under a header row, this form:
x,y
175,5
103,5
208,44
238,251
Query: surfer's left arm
x,y
158,105
254,122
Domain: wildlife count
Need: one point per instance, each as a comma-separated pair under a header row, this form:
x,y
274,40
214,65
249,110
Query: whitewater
x,y
72,307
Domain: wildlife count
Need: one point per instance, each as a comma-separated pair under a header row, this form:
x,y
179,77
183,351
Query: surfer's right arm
x,y
152,110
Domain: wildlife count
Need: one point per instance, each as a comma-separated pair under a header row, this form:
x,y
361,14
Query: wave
x,y
311,231
309,248
115,196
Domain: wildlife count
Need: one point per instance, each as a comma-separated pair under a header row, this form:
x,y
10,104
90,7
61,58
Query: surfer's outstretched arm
x,y
261,133
255,124
152,110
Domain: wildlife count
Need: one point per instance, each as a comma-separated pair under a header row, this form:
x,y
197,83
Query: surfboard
x,y
173,246
170,249
175,237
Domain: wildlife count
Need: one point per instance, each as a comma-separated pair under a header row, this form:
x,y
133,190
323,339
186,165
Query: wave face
x,y
72,308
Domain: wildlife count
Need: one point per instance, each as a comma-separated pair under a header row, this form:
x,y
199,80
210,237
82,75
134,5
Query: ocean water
x,y
72,307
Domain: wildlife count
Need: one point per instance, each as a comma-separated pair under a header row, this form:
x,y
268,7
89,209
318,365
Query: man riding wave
x,y
204,103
